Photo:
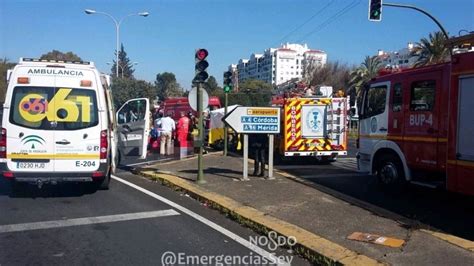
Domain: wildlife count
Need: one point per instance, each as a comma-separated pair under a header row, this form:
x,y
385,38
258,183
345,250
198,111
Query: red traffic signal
x,y
201,54
201,65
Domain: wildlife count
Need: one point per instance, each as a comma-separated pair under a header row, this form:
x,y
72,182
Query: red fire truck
x,y
417,125
313,125
174,105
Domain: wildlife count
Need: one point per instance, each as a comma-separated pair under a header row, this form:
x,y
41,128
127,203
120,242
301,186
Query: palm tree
x,y
432,50
364,73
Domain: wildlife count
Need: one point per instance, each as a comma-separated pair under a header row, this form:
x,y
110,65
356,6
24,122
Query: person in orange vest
x,y
182,130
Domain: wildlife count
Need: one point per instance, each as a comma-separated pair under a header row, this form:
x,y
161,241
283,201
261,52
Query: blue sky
x,y
230,30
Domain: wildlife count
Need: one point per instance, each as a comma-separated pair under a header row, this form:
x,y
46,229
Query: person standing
x,y
183,129
168,126
258,144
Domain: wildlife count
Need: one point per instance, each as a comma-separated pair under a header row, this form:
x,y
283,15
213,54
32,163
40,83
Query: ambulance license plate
x,y
24,165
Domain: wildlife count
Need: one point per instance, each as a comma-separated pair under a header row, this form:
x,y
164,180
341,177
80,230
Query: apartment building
x,y
278,65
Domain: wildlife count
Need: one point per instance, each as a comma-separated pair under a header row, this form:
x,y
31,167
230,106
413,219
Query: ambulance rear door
x,y
30,133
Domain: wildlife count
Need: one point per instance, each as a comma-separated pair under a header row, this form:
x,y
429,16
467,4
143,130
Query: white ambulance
x,y
59,124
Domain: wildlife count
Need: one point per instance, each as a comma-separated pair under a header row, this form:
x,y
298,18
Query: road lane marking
x,y
148,162
9,228
319,176
262,252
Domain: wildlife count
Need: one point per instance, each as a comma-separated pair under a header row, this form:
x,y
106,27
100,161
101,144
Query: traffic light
x,y
375,10
201,65
227,81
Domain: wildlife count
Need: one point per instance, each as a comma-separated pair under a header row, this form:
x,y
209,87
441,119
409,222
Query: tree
x,y
255,85
432,50
125,69
212,87
332,74
252,92
4,66
309,70
58,55
364,73
167,86
125,89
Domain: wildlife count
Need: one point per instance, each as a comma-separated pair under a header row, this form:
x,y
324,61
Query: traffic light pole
x,y
200,177
226,102
422,11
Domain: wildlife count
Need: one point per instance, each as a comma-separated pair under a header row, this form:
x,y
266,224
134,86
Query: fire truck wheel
x,y
328,159
390,171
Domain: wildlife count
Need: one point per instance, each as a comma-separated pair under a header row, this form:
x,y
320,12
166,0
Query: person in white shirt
x,y
167,125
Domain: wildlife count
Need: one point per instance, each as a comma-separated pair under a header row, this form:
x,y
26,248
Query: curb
x,y
454,240
316,249
416,225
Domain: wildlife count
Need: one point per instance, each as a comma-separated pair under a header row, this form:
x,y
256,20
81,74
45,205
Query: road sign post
x,y
270,156
255,120
245,176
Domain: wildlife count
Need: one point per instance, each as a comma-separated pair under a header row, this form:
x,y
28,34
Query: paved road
x,y
69,224
419,206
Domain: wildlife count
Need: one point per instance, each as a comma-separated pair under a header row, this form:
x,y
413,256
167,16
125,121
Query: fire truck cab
x,y
416,125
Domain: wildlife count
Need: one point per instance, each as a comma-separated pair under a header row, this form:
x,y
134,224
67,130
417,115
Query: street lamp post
x,y
121,67
117,28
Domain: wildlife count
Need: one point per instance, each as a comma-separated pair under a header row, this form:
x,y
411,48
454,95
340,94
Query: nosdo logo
x,y
273,241
32,139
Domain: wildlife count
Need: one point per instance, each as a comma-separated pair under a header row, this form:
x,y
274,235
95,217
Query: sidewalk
x,y
320,222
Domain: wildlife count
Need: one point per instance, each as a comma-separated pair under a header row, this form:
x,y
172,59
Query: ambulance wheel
x,y
390,171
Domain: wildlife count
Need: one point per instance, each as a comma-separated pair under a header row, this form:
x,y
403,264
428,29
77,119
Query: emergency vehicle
x,y
312,125
175,105
58,124
417,125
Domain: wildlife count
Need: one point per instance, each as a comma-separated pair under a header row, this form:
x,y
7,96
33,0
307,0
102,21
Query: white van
x,y
58,124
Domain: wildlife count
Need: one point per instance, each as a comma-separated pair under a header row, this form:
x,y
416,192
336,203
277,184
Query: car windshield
x,y
51,108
